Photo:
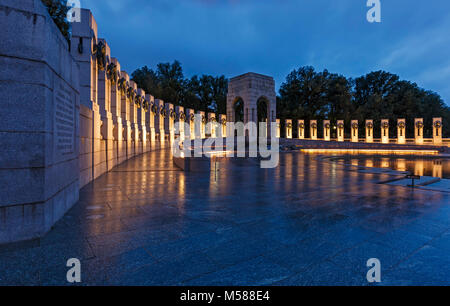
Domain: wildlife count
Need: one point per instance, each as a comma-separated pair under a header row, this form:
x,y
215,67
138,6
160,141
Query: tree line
x,y
305,94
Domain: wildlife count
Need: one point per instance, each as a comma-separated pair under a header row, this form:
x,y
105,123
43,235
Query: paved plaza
x,y
307,222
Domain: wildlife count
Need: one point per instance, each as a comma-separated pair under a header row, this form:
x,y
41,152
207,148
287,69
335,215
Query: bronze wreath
x,y
437,124
100,54
419,124
385,125
111,72
123,86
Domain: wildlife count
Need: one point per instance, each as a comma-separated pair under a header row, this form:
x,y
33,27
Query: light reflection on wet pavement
x,y
306,222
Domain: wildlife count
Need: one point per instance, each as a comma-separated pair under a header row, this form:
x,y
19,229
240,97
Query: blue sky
x,y
272,37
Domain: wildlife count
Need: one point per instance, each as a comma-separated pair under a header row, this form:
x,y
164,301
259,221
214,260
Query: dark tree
x,y
58,11
378,95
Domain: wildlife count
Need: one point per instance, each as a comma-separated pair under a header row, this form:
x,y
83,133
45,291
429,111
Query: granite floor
x,y
306,222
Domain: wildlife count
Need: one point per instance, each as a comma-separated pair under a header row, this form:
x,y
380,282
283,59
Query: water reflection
x,y
423,166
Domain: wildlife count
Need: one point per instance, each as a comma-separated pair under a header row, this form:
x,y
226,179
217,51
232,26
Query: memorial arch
x,y
253,96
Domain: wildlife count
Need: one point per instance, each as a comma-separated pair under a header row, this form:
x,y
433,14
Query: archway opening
x,y
262,106
238,110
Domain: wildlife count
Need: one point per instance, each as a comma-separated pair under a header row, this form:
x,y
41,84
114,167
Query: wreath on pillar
x,y
111,72
145,105
212,119
369,125
137,101
203,119
192,117
340,125
224,121
182,116
172,114
419,124
123,86
401,125
355,125
289,125
131,94
162,112
327,126
437,124
100,54
385,125
301,125
153,108
314,125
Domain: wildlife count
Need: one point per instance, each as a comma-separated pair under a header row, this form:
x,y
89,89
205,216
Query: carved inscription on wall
x,y
64,119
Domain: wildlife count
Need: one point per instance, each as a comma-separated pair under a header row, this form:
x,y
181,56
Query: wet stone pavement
x,y
307,222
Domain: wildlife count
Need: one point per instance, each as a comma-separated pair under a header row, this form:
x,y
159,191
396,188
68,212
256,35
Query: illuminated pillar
x,y
384,130
141,120
369,131
159,120
340,130
202,125
180,119
401,131
437,130
289,128
150,120
278,128
301,129
355,131
418,130
190,116
133,117
326,130
169,121
223,124
212,125
313,129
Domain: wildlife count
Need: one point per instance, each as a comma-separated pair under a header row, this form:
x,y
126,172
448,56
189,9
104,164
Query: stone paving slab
x,y
307,222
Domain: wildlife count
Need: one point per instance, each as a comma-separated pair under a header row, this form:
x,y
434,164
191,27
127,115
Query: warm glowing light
x,y
372,151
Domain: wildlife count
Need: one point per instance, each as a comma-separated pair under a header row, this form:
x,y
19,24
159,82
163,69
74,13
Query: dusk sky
x,y
272,37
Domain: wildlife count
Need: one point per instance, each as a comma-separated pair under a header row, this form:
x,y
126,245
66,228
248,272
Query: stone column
x,y
369,131
355,131
340,131
326,130
141,100
301,129
288,128
159,121
83,49
181,119
116,97
169,121
437,131
203,125
104,102
418,130
385,131
313,129
126,96
150,121
212,125
223,124
133,118
401,131
278,128
190,116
